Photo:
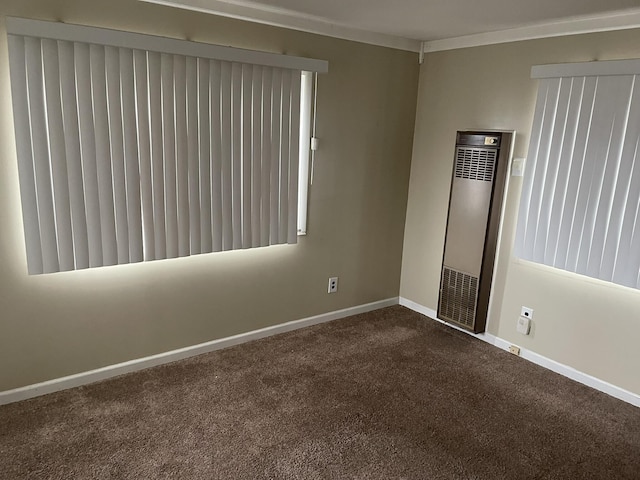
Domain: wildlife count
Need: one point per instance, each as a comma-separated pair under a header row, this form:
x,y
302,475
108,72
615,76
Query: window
x,y
132,147
580,203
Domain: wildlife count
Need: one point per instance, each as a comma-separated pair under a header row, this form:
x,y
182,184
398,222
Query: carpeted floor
x,y
383,395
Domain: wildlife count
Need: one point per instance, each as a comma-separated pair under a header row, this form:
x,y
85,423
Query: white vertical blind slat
x,y
144,150
276,142
193,154
62,204
205,152
157,154
226,168
256,156
25,153
182,155
265,221
103,155
131,156
216,157
112,58
236,154
285,136
169,150
247,140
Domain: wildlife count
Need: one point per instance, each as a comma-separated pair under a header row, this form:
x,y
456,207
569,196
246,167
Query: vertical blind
x,y
129,154
580,203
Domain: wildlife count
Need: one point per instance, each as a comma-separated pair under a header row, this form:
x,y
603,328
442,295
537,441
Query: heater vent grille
x,y
458,297
475,163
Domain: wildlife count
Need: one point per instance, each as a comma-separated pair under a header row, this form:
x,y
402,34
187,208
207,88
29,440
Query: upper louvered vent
x,y
475,163
458,297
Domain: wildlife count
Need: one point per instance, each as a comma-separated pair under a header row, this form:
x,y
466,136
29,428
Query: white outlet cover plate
x,y
526,312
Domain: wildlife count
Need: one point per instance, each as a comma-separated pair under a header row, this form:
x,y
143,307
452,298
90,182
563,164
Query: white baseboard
x,y
84,378
536,358
104,373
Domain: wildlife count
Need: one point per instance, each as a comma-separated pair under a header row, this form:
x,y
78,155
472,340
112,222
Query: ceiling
x,y
409,22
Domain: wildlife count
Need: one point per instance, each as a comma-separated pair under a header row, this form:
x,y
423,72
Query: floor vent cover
x,y
475,163
458,297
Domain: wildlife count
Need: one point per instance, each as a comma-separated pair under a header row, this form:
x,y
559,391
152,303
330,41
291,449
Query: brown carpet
x,y
383,395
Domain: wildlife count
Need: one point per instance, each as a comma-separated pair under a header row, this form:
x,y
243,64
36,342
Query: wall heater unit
x,y
475,205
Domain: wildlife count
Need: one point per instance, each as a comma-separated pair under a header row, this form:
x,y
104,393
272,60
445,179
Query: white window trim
x,y
305,150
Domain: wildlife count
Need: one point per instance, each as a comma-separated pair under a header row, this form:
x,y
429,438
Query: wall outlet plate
x,y
515,350
526,312
333,285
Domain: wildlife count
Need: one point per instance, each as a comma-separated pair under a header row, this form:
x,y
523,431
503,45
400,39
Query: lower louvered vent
x,y
458,297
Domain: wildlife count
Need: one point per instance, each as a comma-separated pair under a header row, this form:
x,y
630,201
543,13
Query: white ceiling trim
x,y
603,23
293,20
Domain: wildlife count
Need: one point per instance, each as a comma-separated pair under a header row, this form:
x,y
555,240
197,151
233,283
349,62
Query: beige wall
x,y
586,324
60,324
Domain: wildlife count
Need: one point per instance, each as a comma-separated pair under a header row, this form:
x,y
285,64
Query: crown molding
x,y
276,17
614,21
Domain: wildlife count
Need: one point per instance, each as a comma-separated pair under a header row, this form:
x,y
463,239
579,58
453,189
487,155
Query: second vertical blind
x,y
580,203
